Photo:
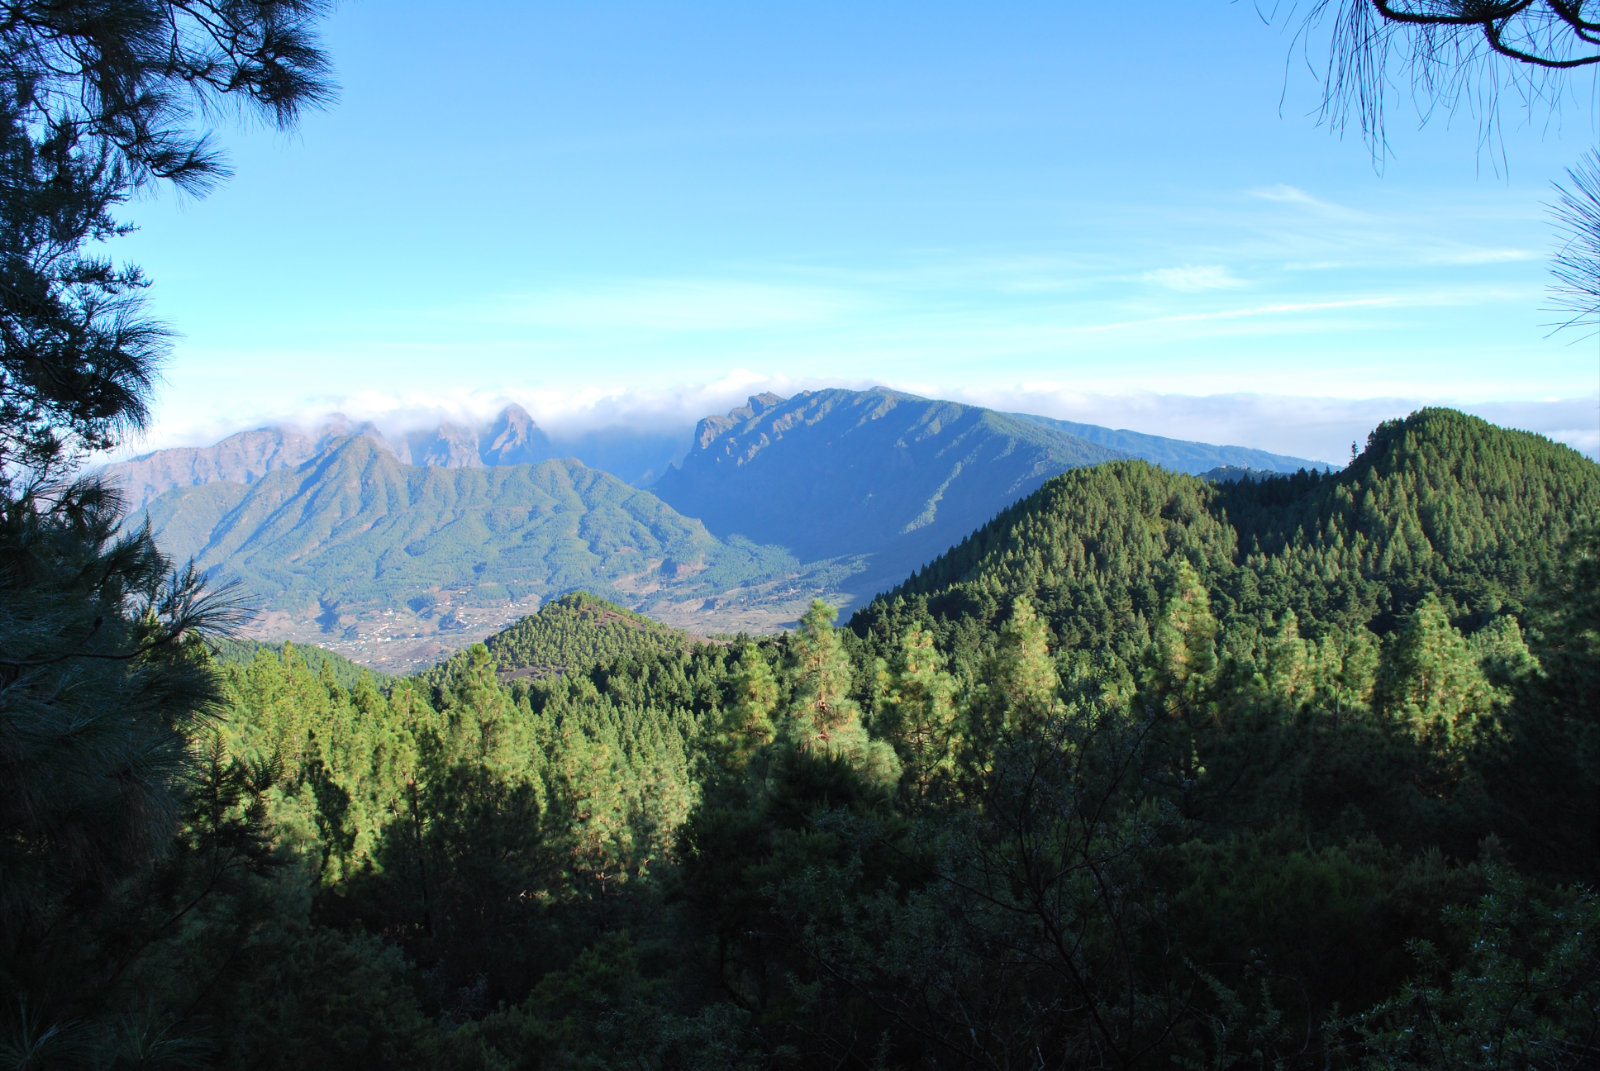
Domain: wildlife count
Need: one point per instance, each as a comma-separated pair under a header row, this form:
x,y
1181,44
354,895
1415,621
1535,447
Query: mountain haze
x,y
1179,455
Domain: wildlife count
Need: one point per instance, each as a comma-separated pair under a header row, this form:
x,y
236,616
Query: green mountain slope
x,y
570,634
355,543
510,437
1439,503
837,472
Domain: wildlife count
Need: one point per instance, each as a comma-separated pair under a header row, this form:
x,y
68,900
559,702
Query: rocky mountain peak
x,y
513,438
712,427
448,446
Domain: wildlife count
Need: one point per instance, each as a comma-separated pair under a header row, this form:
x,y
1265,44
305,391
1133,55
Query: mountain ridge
x,y
892,474
510,437
835,493
639,454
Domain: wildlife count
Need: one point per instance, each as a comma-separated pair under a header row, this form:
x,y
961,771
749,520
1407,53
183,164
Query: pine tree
x,y
1433,683
753,696
918,712
102,689
1184,655
1021,678
822,708
824,719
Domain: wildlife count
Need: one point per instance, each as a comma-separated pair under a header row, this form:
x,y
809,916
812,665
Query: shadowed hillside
x,y
835,472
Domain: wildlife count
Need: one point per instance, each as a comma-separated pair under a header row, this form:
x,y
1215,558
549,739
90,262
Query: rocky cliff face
x,y
448,446
242,458
713,428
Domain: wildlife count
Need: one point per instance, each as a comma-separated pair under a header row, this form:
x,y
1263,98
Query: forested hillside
x,y
1439,504
1294,772
572,633
228,651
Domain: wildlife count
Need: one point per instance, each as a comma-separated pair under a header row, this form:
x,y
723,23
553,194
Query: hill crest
x,y
1440,503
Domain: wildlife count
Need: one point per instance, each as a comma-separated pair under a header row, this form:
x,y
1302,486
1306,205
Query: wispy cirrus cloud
x,y
1192,278
1280,309
1471,256
1283,193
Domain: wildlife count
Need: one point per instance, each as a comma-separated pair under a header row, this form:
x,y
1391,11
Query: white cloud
x,y
1294,195
1319,428
1191,278
559,411
573,411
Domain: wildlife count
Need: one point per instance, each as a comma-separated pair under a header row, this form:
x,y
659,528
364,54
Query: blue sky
x,y
648,210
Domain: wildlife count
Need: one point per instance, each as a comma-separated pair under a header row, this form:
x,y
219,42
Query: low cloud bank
x,y
1321,429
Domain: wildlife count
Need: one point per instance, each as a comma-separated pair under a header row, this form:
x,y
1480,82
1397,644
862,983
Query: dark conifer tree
x,y
100,695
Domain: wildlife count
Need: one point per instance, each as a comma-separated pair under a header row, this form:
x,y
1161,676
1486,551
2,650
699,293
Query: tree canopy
x,y
1450,54
97,100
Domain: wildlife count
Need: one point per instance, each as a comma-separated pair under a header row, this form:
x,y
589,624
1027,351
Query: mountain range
x,y
397,564
511,437
395,549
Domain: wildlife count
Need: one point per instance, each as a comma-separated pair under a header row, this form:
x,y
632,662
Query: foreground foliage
x,y
1247,784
